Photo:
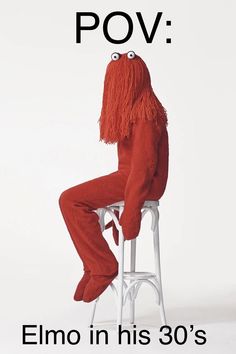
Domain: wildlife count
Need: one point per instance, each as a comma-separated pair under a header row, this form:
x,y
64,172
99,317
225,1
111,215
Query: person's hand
x,y
130,222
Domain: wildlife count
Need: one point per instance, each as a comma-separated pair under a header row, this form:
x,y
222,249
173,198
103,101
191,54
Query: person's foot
x,y
96,286
78,296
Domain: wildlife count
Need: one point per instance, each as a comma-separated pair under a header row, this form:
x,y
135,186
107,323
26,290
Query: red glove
x,y
131,222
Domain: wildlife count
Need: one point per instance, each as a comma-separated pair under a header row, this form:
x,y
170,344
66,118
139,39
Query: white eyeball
x,y
131,55
115,56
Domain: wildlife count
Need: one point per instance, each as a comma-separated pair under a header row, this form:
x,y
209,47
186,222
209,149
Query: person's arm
x,y
143,166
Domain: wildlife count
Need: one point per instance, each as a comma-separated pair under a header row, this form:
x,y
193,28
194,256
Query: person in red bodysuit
x,y
133,117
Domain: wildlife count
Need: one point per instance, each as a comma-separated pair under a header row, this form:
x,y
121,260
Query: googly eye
x,y
115,56
131,55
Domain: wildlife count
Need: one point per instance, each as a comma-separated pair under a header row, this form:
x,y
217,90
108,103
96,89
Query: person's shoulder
x,y
149,129
146,124
150,126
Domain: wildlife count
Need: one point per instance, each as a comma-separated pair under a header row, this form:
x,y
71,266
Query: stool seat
x,y
129,282
147,203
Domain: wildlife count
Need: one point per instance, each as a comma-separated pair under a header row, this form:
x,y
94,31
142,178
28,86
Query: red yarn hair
x,y
127,97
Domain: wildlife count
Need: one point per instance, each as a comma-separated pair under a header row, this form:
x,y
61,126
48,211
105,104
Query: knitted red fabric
x,y
143,159
133,118
128,97
148,161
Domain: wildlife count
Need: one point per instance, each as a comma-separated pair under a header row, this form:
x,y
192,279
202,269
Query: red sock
x,y
78,296
96,286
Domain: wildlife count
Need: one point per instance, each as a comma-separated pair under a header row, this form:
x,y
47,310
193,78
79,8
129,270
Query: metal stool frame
x,y
122,290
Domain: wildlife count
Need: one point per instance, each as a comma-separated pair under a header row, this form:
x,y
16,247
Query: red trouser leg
x,y
77,205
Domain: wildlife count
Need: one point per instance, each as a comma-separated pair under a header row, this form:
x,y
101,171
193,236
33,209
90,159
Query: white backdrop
x,y
51,92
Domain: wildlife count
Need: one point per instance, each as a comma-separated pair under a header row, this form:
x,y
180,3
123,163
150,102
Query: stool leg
x,y
93,312
132,269
120,276
156,243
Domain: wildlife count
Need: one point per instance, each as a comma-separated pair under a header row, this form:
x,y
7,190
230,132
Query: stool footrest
x,y
138,275
136,279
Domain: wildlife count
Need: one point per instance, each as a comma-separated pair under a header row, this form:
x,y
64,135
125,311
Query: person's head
x,y
127,97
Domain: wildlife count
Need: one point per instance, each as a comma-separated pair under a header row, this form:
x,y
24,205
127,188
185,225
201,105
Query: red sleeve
x,y
143,166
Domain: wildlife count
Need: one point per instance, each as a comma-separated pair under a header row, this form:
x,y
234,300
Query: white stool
x,y
122,290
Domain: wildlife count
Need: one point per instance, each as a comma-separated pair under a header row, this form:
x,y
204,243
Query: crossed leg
x,y
78,206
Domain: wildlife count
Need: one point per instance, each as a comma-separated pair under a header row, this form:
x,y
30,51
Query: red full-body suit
x,y
141,175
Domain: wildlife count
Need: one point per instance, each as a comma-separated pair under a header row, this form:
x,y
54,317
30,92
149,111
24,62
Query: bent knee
x,y
73,195
66,197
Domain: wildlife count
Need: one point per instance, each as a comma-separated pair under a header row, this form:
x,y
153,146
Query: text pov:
x,y
93,22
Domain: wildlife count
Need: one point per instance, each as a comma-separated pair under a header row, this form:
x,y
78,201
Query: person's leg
x,y
77,206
